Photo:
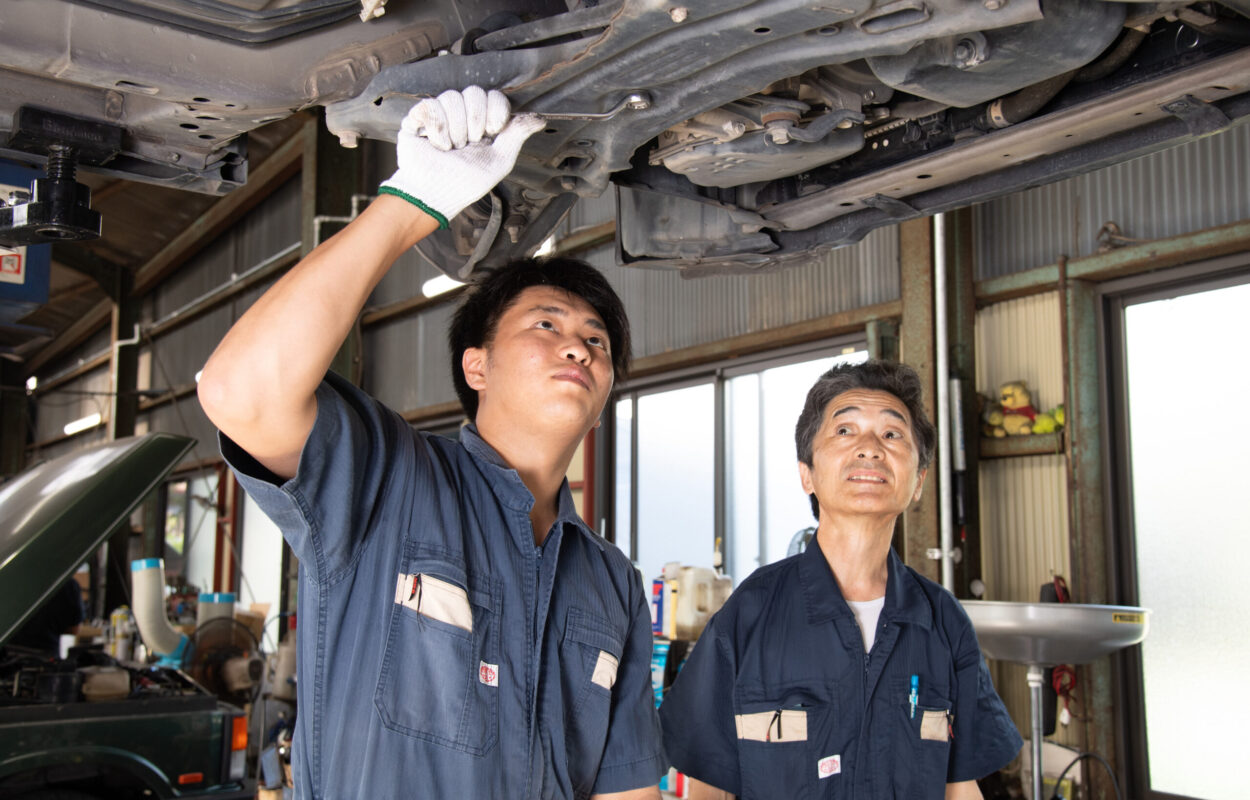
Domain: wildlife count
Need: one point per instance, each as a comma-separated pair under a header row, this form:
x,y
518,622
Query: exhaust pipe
x,y
147,579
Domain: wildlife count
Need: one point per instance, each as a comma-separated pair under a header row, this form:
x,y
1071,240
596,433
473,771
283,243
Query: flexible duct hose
x,y
1124,48
1025,103
1028,101
147,579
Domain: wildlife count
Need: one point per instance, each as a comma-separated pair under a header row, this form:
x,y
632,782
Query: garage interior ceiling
x,y
139,220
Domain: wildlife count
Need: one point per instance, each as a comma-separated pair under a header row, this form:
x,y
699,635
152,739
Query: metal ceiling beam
x,y
1121,262
281,165
81,260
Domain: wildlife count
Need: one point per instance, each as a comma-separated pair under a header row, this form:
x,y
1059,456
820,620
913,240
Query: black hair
x,y
897,379
477,318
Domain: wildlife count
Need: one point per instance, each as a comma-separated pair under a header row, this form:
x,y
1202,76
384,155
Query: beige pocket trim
x,y
788,725
435,598
933,726
605,670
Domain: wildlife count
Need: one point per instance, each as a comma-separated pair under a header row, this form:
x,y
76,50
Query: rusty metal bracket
x,y
892,206
1200,117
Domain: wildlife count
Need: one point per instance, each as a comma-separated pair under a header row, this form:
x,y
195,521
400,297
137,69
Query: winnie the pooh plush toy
x,y
1017,405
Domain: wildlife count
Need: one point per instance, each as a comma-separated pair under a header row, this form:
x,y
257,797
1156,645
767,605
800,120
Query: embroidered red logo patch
x,y
830,765
488,673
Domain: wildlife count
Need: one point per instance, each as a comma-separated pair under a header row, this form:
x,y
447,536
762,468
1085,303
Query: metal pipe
x,y
156,326
113,379
942,377
1034,678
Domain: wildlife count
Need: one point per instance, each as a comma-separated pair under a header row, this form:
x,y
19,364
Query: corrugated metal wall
x,y
174,358
1197,185
179,354
1023,500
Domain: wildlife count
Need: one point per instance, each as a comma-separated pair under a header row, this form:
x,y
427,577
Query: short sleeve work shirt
x,y
441,653
779,700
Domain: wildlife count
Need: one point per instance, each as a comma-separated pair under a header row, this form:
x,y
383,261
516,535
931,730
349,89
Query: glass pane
x,y
624,428
676,486
201,544
1191,529
262,565
765,494
175,527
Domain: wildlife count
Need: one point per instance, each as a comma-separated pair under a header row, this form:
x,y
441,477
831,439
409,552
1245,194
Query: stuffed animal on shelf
x,y
991,418
1049,422
1018,411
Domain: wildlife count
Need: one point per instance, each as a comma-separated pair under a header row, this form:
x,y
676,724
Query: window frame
x,y
718,373
1127,665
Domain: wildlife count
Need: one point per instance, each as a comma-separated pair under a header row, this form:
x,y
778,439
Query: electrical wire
x,y
1115,784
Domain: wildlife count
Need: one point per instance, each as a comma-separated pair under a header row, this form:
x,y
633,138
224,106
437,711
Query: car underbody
x,y
739,136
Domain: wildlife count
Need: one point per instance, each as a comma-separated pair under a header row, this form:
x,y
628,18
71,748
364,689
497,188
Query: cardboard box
x,y
254,622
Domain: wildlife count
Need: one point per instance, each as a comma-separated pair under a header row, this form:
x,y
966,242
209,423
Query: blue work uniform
x,y
441,653
779,700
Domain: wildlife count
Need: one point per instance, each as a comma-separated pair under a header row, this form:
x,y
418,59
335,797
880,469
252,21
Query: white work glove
x,y
446,157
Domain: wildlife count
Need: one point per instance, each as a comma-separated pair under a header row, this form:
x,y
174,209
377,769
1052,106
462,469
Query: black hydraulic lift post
x,y
124,366
331,175
962,314
13,418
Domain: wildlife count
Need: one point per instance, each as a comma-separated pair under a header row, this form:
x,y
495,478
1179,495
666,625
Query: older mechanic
x,y
840,672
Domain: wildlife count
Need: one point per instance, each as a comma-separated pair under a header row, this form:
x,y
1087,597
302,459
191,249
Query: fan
x,y
224,657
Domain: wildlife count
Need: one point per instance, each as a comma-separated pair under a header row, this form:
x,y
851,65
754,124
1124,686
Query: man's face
x,y
864,457
548,362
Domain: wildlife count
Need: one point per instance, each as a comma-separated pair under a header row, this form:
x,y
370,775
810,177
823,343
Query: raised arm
x,y
259,385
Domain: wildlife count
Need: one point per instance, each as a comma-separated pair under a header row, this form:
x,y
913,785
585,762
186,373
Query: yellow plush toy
x,y
1018,411
991,417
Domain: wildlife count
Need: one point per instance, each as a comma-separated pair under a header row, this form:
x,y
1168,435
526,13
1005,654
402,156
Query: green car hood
x,y
55,514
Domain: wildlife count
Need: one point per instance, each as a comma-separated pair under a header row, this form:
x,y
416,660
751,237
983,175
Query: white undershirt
x,y
866,614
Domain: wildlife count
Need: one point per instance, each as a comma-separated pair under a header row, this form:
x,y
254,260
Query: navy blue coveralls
x,y
441,653
779,700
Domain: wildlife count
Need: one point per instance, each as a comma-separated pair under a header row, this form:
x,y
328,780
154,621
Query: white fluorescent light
x,y
440,285
32,383
547,247
197,376
79,425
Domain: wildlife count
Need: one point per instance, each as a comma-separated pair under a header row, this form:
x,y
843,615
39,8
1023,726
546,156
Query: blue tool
x,y
914,696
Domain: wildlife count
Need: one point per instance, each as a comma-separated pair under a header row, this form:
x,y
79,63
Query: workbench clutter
x,y
683,599
1011,413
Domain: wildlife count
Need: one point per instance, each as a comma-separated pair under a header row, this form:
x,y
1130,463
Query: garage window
x,y
704,463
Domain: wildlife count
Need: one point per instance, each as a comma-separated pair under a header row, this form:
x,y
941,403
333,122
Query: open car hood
x,y
55,514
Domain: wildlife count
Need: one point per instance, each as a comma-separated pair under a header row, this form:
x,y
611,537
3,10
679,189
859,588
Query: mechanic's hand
x,y
446,157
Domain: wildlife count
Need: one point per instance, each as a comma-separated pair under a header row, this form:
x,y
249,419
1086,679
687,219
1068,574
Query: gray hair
x,y
899,380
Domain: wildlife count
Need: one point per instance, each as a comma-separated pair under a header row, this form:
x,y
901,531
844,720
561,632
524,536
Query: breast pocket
x,y
922,742
590,656
439,679
780,741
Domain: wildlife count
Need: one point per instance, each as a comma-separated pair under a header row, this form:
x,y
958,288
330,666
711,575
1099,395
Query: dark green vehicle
x,y
160,734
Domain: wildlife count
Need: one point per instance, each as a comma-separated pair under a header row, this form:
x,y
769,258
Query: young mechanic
x,y
463,633
840,672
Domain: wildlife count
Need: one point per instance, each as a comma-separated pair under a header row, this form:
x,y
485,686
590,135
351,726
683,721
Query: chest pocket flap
x,y
433,597
779,725
595,633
